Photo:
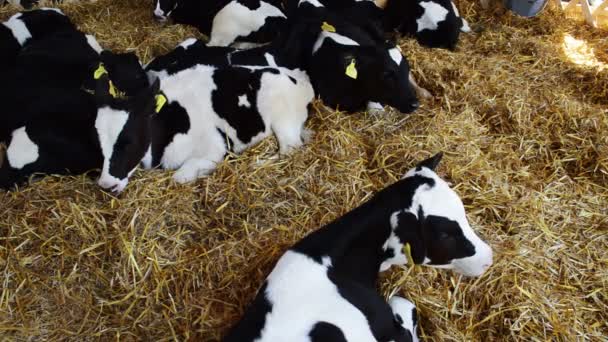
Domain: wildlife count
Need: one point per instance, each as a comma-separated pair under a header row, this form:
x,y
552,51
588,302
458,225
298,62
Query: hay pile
x,y
521,110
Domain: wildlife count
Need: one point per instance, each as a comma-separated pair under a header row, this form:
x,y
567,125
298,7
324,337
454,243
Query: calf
x,y
227,21
209,111
64,60
324,287
26,26
434,23
60,136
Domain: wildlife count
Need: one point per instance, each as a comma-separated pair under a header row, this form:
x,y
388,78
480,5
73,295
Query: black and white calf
x,y
324,287
60,136
209,111
434,23
227,21
67,60
26,26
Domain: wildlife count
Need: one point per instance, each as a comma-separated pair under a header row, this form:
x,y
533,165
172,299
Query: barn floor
x,y
521,111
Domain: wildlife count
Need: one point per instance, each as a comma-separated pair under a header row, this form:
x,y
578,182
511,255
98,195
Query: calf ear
x,y
409,231
102,90
431,162
146,99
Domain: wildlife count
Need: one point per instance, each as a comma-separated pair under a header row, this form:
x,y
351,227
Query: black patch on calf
x,y
10,48
246,121
325,332
267,33
125,72
366,299
448,240
198,53
173,119
251,4
42,22
250,326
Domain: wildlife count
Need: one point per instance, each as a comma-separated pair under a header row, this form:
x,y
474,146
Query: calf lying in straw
x,y
203,113
324,287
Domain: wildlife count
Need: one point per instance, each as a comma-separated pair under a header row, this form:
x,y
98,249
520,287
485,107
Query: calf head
x,y
164,8
357,74
385,77
126,72
123,130
434,230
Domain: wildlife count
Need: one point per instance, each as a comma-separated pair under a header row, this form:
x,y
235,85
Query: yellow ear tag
x,y
101,70
407,250
113,90
161,100
327,27
351,70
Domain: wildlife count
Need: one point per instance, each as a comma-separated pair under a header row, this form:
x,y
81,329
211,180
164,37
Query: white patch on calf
x,y
147,161
236,20
465,26
432,16
396,55
93,43
302,295
336,37
374,106
455,9
315,3
22,150
158,12
243,102
270,60
18,28
188,42
284,105
109,123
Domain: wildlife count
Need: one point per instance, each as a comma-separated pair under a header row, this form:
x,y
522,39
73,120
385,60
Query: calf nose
x,y
106,183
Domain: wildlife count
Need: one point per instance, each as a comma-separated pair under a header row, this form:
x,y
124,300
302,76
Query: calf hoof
x,y
286,150
183,176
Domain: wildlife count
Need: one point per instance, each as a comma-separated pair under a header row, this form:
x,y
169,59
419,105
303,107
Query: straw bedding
x,y
521,110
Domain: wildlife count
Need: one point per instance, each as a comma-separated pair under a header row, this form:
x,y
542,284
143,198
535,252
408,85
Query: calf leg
x,y
421,92
193,169
290,134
